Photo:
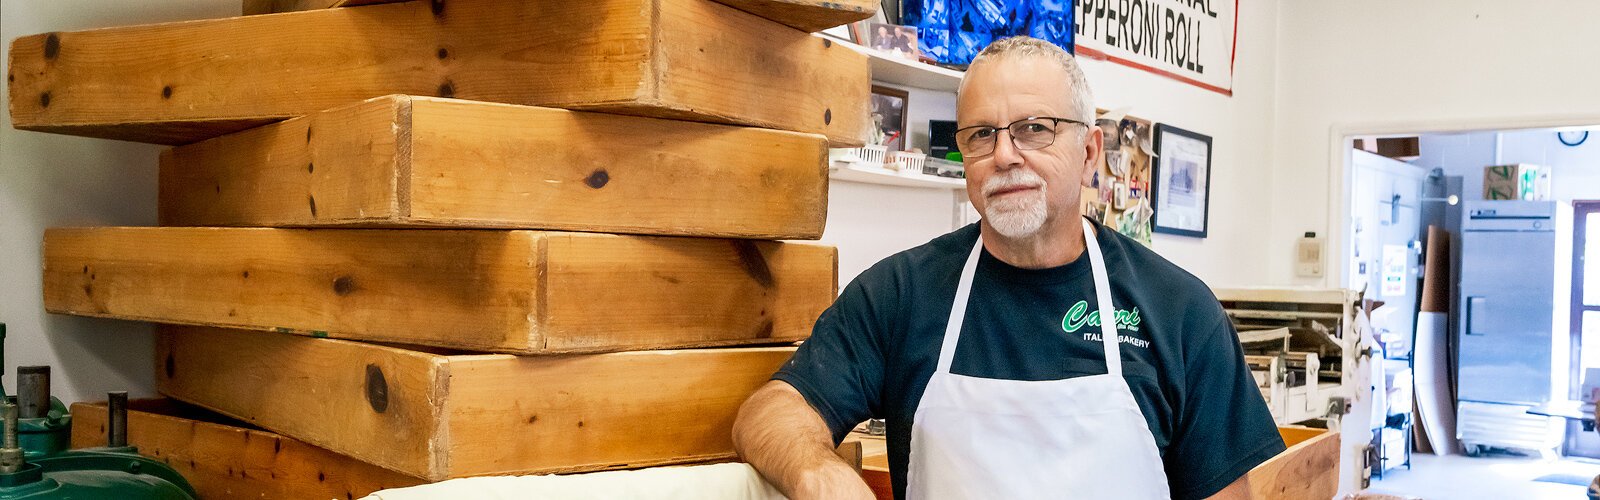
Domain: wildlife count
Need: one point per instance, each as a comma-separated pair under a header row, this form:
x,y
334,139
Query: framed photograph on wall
x,y
889,117
1181,186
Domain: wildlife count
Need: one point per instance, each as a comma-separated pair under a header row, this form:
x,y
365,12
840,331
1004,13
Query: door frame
x,y
1580,211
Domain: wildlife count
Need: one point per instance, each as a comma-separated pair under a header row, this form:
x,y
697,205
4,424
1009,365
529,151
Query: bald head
x,y
1076,86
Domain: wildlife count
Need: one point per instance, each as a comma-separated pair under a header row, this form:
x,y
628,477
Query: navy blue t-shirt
x,y
872,352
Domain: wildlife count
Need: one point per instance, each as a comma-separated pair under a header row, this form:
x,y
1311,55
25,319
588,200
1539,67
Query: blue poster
x,y
954,31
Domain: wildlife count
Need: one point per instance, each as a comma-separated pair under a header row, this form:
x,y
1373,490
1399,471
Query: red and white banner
x,y
1188,40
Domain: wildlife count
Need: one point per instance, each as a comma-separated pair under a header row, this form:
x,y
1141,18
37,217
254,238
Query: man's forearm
x,y
779,434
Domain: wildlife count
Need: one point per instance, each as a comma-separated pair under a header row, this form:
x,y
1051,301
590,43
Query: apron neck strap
x,y
958,309
1102,294
1102,288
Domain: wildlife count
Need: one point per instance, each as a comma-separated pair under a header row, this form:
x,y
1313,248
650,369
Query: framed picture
x,y
889,117
895,40
1181,186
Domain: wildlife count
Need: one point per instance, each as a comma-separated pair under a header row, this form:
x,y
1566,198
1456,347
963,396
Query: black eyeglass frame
x,y
1055,121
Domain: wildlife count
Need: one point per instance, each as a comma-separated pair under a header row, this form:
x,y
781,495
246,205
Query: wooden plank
x,y
419,161
805,15
879,482
255,7
808,15
178,83
439,416
1308,469
1293,435
1336,296
850,451
227,461
503,291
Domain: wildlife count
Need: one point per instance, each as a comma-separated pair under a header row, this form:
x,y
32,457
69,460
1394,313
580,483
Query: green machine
x,y
35,463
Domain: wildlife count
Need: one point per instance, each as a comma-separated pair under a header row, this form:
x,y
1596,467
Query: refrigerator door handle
x,y
1473,303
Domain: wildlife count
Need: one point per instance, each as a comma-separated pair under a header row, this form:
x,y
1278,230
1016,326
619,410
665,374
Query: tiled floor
x,y
1458,477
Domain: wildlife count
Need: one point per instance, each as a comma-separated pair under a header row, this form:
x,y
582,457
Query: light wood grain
x,y
339,167
808,15
850,451
405,161
697,40
227,461
254,7
178,83
501,291
314,390
1308,469
1336,296
804,15
465,415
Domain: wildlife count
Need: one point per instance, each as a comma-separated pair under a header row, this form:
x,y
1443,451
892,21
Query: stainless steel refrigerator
x,y
1506,332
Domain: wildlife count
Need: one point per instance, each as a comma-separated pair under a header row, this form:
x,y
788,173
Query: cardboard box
x,y
1400,148
1518,181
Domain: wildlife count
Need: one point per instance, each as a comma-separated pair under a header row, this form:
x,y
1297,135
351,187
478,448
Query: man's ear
x,y
1093,151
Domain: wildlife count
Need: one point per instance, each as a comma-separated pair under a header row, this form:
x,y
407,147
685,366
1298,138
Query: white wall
x,y
869,222
49,180
1574,170
1241,128
1416,66
1464,154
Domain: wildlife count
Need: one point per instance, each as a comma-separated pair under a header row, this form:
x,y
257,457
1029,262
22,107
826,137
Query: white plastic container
x,y
906,163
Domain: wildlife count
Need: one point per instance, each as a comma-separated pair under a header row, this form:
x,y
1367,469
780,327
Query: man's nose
x,y
1006,154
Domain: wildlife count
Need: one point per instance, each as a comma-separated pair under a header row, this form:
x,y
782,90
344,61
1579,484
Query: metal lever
x,y
117,419
33,391
10,453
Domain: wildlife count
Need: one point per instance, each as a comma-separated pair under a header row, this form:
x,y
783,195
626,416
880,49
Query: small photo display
x,y
901,41
889,117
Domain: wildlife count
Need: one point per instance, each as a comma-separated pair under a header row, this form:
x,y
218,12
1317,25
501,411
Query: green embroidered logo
x,y
1079,316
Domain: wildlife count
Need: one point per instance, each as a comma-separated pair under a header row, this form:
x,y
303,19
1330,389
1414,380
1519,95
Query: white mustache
x,y
1013,179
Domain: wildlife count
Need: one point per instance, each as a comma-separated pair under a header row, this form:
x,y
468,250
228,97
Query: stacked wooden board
x,y
409,235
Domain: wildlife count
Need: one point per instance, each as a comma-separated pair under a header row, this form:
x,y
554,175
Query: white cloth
x,y
729,481
1081,437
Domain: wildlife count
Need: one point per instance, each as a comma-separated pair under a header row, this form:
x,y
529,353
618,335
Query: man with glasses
x,y
1035,354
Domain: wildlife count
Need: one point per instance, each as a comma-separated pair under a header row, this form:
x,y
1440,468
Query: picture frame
x,y
889,107
1181,185
894,40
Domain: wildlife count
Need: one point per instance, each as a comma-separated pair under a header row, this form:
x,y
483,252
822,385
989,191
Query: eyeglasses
x,y
1034,132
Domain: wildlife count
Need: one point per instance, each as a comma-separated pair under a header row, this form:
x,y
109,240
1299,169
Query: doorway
x,y
1585,288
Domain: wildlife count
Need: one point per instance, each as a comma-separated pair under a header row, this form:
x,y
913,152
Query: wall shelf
x,y
890,69
846,172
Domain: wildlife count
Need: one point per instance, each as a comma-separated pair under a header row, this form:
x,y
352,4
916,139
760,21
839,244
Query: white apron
x,y
1082,437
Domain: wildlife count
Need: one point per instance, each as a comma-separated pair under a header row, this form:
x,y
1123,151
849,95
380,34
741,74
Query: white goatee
x,y
1015,215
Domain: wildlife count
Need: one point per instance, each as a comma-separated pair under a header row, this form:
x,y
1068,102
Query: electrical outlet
x,y
1309,255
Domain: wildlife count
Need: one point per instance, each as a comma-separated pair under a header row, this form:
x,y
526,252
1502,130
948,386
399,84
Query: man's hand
x,y
779,434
